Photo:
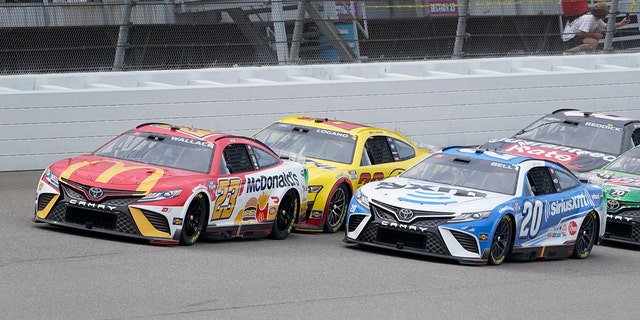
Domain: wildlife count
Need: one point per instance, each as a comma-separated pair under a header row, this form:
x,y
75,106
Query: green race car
x,y
620,182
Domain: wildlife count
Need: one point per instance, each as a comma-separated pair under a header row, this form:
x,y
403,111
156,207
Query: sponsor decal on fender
x,y
574,203
282,180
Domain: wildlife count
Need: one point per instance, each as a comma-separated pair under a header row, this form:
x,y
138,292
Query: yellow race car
x,y
340,156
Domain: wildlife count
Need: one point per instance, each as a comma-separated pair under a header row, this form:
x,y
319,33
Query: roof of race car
x,y
190,132
583,117
494,156
329,124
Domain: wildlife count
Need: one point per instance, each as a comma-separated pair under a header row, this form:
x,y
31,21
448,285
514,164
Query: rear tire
x,y
194,220
501,243
288,210
337,209
586,236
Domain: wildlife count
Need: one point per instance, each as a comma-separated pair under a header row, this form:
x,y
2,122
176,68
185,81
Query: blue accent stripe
x,y
425,202
420,196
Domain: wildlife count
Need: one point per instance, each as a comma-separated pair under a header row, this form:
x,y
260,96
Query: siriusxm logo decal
x,y
574,203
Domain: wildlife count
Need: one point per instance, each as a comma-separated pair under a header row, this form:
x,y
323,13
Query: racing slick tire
x,y
288,210
586,236
501,242
337,209
194,220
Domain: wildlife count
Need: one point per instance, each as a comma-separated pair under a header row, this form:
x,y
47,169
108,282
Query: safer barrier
x,y
446,102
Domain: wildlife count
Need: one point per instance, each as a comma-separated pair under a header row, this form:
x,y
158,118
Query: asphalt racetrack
x,y
53,273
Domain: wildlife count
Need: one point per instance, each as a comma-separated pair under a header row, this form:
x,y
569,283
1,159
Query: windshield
x,y
161,150
628,162
466,172
310,142
584,135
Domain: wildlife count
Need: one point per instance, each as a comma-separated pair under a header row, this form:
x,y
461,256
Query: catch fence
x,y
124,35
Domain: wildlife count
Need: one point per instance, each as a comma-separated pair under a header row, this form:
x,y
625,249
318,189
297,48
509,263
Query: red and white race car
x,y
171,184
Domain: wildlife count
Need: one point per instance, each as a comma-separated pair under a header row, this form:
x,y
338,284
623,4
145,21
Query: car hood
x,y
615,178
575,159
619,186
431,197
118,174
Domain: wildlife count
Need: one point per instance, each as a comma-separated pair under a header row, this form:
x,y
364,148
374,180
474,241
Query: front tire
x,y
586,236
288,210
194,220
337,209
501,243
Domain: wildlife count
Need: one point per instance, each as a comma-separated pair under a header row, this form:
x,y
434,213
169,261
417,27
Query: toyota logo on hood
x,y
95,193
405,214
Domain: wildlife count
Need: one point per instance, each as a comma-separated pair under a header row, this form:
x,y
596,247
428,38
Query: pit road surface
x,y
53,273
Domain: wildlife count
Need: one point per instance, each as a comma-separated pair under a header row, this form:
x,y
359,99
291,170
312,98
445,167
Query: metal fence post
x,y
123,37
294,54
611,26
280,31
461,34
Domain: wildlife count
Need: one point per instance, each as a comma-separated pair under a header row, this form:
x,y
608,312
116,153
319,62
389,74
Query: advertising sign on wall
x,y
443,7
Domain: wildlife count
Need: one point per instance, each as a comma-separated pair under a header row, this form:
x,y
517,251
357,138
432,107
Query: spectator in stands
x,y
584,33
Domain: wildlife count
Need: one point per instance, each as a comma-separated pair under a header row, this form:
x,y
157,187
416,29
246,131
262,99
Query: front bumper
x,y
111,216
427,236
623,227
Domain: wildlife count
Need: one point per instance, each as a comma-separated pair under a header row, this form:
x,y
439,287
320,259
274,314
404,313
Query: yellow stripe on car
x,y
42,214
145,227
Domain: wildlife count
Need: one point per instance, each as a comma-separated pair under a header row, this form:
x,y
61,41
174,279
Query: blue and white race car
x,y
480,207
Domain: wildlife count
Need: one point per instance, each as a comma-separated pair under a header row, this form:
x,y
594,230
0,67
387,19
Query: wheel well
x,y
348,188
513,227
207,204
597,223
295,193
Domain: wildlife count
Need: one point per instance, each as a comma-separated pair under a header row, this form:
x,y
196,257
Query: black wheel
x,y
288,210
501,243
586,236
337,209
194,221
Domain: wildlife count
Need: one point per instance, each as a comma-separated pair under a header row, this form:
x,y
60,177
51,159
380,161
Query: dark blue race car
x,y
480,207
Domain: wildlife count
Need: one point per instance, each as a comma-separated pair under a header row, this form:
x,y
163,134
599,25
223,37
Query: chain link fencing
x,y
124,35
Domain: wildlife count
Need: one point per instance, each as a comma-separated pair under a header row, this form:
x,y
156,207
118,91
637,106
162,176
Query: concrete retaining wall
x,y
454,102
